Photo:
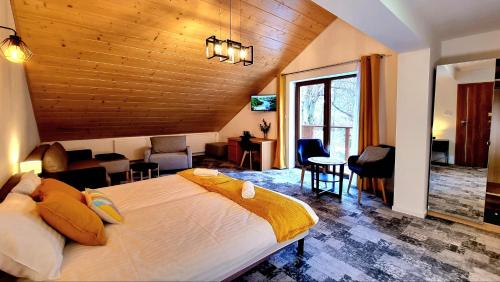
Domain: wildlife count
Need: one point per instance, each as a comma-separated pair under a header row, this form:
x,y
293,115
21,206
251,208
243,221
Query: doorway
x,y
474,104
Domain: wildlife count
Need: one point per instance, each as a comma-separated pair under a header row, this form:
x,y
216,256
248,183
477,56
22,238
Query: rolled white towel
x,y
248,190
205,172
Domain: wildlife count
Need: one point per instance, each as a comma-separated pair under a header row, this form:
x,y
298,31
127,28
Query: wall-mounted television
x,y
263,103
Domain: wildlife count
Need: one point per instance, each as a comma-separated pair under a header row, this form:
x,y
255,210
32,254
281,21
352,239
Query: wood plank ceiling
x,y
109,68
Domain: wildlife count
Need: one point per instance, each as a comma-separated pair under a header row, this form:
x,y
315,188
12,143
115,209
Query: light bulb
x,y
14,54
243,54
230,54
218,49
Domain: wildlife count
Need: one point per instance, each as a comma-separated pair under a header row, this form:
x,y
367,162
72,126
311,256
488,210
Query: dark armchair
x,y
376,164
307,148
76,168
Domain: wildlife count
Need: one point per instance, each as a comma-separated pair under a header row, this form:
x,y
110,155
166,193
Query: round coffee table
x,y
143,167
317,177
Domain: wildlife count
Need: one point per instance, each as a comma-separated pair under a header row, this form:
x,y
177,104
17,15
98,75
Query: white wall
x,y
478,46
133,147
413,127
445,109
249,120
338,43
18,130
413,132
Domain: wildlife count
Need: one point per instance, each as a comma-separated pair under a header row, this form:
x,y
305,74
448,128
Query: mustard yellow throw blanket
x,y
287,217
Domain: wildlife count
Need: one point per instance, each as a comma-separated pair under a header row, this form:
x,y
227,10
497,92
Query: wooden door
x,y
474,103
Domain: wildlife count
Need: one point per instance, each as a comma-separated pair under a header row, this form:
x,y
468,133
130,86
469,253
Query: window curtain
x,y
369,104
279,160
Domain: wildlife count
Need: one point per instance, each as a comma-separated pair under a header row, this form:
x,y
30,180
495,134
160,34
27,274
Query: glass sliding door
x,y
344,116
312,111
328,110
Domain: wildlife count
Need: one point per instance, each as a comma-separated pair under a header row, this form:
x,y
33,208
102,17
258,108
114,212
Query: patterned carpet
x,y
458,191
370,242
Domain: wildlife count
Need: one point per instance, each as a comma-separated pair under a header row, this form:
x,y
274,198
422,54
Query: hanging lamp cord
x,y
13,30
230,17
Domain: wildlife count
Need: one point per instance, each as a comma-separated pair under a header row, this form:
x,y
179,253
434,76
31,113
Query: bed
x,y
174,229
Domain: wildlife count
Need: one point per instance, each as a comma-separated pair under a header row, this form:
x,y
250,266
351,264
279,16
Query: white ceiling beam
x,y
388,21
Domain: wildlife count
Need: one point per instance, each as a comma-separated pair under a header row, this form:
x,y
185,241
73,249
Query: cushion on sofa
x,y
168,161
83,164
168,144
55,158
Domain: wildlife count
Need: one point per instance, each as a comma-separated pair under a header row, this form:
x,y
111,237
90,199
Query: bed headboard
x,y
9,185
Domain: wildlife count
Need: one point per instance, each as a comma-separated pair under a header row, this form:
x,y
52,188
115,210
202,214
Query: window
x,y
328,110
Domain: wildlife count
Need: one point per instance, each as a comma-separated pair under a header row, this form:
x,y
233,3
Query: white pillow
x,y
29,182
29,248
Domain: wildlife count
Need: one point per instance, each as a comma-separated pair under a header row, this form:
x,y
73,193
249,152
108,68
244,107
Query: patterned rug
x,y
458,191
369,242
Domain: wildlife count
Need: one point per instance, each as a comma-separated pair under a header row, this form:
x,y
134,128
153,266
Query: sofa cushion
x,y
168,161
83,164
55,158
168,144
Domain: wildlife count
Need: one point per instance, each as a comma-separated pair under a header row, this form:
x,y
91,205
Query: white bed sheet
x,y
140,194
173,230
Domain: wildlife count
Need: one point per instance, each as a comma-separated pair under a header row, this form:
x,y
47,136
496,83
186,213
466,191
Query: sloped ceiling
x,y
109,68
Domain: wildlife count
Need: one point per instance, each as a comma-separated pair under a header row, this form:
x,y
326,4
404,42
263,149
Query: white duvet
x,y
173,230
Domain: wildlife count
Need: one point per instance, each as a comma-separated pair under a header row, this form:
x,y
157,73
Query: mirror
x,y
465,117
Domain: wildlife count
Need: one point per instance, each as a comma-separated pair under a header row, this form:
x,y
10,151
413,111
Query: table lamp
x,y
33,165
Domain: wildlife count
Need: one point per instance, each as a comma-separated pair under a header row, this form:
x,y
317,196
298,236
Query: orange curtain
x,y
369,103
279,160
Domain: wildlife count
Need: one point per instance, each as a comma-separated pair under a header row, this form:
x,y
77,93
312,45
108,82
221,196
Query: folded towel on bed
x,y
287,216
248,190
205,172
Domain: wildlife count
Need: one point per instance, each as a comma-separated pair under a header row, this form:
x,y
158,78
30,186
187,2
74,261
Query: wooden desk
x,y
266,154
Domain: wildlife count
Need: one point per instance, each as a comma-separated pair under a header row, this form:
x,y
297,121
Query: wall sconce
x,y
14,49
33,165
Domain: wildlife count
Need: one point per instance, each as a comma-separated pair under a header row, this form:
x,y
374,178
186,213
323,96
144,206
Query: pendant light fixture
x,y
14,49
228,50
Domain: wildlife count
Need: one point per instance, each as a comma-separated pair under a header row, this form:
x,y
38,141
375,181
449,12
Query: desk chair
x,y
307,148
247,147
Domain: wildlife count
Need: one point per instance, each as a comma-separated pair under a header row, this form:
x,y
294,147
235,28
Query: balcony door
x,y
328,110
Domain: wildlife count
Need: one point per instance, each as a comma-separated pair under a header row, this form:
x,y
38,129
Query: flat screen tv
x,y
263,103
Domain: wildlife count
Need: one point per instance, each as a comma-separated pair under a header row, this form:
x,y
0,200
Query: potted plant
x,y
264,127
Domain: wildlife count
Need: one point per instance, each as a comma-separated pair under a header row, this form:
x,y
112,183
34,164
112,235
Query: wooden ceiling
x,y
109,68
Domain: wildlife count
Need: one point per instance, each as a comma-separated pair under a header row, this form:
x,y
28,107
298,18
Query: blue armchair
x,y
307,148
380,169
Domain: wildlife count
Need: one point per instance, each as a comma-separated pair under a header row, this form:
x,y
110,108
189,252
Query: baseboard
x,y
484,226
420,214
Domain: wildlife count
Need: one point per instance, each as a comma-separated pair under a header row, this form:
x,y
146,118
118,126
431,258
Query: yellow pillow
x,y
72,218
50,185
102,206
